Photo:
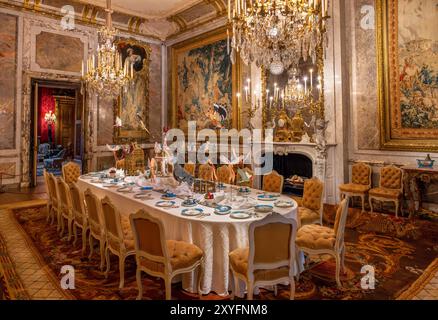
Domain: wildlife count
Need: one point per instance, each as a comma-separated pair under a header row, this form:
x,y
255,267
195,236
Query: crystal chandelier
x,y
110,74
276,34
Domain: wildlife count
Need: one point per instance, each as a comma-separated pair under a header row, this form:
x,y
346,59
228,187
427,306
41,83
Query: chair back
x,y
95,217
47,184
149,240
153,167
53,189
113,225
225,174
340,221
391,177
313,194
71,172
262,234
273,182
78,204
64,196
361,174
190,168
206,172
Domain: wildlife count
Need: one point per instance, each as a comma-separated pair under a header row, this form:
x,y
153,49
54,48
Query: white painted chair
x,y
66,212
316,240
97,225
159,257
262,263
119,239
80,215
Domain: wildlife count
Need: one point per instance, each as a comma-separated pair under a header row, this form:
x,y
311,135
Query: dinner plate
x,y
143,195
192,212
222,210
284,204
165,204
164,197
187,203
110,185
267,197
262,208
125,189
240,215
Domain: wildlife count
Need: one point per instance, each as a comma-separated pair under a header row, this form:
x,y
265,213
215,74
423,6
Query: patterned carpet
x,y
399,249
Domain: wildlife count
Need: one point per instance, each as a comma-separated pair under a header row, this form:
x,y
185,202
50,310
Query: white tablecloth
x,y
216,235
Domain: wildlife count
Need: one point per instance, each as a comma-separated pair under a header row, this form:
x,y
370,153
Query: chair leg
x,y
90,240
292,288
200,276
102,253
236,286
371,204
70,222
298,263
107,257
62,226
139,284
75,234
49,209
250,290
343,260
122,270
396,208
168,286
338,268
84,240
52,215
363,202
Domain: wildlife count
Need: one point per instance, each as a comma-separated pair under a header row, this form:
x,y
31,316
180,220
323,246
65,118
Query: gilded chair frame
x,y
67,172
229,171
49,194
338,251
249,280
121,251
352,194
321,204
211,175
66,212
96,225
274,173
168,274
397,201
79,210
55,202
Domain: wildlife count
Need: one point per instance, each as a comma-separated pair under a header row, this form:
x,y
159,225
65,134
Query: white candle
x,y
305,84
82,68
229,10
311,79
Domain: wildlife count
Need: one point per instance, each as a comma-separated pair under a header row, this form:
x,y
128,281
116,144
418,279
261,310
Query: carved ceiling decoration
x,y
161,20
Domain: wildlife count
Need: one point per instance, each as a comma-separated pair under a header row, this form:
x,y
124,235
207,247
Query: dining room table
x,y
216,233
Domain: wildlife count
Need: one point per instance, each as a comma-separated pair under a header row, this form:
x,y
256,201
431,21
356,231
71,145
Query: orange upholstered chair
x,y
71,172
316,240
159,257
207,172
273,182
80,215
190,168
119,239
261,263
390,187
225,174
65,208
360,184
311,207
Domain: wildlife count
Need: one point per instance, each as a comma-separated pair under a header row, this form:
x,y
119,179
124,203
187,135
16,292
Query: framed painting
x,y
133,103
205,83
408,74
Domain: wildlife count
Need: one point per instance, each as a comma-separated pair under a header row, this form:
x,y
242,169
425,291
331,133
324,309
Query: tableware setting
x,y
267,197
125,189
284,204
168,196
189,202
222,210
194,212
240,215
166,204
262,208
244,190
143,196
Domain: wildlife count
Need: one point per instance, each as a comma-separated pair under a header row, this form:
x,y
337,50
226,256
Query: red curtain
x,y
46,103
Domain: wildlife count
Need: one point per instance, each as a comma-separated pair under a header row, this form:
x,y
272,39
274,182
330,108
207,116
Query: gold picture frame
x,y
136,97
396,129
178,50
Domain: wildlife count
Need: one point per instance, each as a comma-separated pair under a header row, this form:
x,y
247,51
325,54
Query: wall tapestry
x,y
408,73
133,103
204,83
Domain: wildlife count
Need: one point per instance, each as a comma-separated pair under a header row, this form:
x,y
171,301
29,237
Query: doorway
x,y
57,126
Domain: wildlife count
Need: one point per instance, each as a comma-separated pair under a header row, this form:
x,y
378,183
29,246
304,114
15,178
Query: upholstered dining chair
x,y
207,172
119,239
54,199
310,210
97,225
190,168
316,240
159,257
153,166
71,172
49,196
360,184
80,215
225,174
273,182
262,263
390,187
120,164
66,212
